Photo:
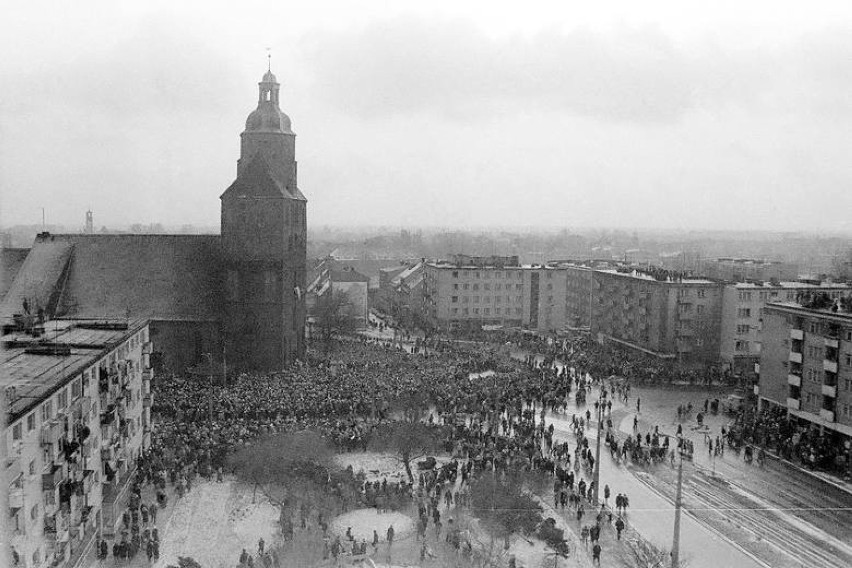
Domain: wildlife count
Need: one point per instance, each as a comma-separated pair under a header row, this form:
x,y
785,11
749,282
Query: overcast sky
x,y
679,114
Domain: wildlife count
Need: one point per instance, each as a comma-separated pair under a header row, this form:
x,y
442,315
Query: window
x,y
486,299
699,341
62,399
32,469
46,411
456,286
497,299
455,310
34,512
478,275
476,299
699,308
497,311
467,286
744,312
702,293
550,284
486,286
518,311
848,335
455,299
813,328
487,311
847,359
518,286
475,310
742,329
17,431
455,273
465,311
31,422
476,286
498,286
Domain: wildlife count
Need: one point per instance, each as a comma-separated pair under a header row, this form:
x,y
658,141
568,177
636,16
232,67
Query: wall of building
x,y
357,292
58,450
181,344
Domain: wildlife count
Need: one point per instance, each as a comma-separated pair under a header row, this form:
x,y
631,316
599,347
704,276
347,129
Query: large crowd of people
x,y
492,410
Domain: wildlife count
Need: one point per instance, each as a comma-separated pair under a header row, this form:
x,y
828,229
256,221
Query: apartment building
x,y
659,312
745,269
742,315
806,365
472,292
77,396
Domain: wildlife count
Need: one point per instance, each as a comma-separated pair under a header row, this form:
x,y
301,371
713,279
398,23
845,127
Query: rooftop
x,y
792,285
38,366
641,275
845,316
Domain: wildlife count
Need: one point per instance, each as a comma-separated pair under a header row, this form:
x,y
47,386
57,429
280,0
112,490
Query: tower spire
x,y
269,59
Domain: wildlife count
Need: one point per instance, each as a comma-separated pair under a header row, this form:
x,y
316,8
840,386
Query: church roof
x,y
165,277
39,279
256,180
11,260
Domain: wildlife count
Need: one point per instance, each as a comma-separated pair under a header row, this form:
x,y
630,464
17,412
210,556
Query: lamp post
x,y
598,450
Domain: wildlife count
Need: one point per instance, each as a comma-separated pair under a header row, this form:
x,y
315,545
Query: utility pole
x,y
598,453
678,499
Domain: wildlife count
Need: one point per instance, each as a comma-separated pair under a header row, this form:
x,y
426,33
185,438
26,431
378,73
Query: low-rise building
x,y
78,396
346,283
744,269
806,365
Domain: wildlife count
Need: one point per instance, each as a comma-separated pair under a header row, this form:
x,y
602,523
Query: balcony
x,y
51,432
797,334
795,357
756,390
49,481
793,403
829,366
829,390
794,380
827,415
831,342
16,497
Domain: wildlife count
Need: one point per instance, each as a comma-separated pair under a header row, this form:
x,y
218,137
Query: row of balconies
x,y
824,413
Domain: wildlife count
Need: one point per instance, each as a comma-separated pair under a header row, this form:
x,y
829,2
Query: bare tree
x,y
335,313
639,553
287,468
407,440
503,507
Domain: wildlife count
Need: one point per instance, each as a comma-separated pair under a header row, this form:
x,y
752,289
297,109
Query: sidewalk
x,y
820,475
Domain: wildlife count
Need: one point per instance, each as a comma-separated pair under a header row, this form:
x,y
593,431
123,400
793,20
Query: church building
x,y
237,297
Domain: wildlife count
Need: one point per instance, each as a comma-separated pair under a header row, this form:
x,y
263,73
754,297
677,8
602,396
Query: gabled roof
x,y
39,279
349,275
254,181
166,277
11,260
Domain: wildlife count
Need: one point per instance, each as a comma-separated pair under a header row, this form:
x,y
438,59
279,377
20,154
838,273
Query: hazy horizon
x,y
659,116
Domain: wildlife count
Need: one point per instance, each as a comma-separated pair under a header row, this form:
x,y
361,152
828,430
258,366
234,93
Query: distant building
x,y
241,293
806,367
742,316
78,394
477,292
346,280
743,269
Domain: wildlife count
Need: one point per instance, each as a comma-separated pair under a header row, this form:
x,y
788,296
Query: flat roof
x,y
793,285
36,376
645,276
796,307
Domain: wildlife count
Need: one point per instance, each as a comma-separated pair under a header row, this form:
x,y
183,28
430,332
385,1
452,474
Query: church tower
x,y
264,235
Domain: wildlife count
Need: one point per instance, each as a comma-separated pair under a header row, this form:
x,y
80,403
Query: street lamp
x,y
678,500
601,398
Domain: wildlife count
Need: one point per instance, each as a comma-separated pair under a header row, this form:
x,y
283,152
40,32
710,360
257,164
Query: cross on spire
x,y
269,58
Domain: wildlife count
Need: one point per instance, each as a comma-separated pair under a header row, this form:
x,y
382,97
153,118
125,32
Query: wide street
x,y
736,514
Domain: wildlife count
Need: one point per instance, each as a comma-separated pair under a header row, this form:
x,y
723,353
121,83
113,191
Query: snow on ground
x,y
214,522
375,466
365,521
